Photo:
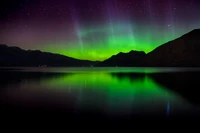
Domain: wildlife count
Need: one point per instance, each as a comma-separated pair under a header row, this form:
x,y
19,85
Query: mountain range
x,y
15,56
181,52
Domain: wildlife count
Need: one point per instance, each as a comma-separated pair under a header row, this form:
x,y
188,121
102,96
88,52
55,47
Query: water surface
x,y
108,92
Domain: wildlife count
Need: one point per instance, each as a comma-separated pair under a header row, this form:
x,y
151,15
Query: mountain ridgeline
x,y
181,52
14,56
133,58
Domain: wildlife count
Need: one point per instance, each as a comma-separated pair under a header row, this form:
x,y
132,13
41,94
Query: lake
x,y
102,93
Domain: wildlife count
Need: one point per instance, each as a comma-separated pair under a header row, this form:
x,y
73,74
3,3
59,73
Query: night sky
x,y
95,29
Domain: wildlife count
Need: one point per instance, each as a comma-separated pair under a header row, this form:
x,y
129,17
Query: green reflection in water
x,y
114,93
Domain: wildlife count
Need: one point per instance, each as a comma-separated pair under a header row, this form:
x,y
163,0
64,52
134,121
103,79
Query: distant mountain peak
x,y
134,51
132,58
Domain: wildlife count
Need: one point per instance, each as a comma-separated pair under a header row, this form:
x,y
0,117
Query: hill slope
x,y
14,56
181,52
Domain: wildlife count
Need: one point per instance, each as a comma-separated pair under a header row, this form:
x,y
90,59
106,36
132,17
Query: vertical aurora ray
x,y
77,29
149,7
111,27
170,19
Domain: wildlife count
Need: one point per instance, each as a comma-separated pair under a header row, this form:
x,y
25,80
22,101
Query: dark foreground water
x,y
101,93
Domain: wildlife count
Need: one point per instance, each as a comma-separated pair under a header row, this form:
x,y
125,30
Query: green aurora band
x,y
101,42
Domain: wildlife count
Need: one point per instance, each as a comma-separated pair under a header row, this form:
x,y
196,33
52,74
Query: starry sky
x,y
95,29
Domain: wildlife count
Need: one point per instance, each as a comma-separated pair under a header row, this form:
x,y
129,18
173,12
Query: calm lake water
x,y
113,93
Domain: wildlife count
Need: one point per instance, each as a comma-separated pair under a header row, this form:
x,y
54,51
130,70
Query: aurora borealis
x,y
95,29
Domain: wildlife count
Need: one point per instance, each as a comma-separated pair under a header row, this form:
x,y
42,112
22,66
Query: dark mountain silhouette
x,y
181,52
15,56
133,58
